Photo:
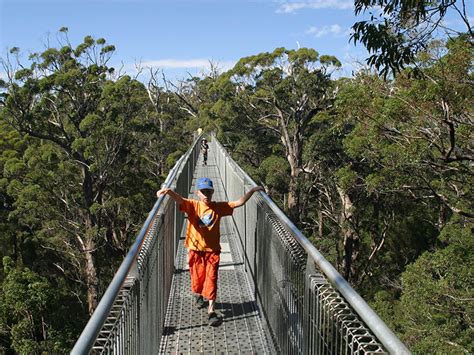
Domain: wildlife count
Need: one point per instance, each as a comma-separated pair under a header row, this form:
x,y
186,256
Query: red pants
x,y
203,266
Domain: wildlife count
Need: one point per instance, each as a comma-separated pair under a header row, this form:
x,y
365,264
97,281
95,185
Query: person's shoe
x,y
199,301
213,319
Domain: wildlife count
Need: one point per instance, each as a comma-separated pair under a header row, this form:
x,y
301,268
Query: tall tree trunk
x,y
92,282
350,238
293,148
293,200
320,220
91,278
442,216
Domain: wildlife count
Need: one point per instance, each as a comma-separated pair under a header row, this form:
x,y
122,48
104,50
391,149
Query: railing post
x,y
309,272
175,232
245,234
225,172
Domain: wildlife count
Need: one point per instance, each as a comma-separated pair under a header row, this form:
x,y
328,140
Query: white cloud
x,y
332,30
290,7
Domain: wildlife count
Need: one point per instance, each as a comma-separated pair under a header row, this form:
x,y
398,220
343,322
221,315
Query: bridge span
x,y
276,292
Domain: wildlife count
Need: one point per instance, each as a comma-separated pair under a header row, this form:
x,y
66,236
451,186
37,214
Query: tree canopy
x,y
80,159
395,31
377,172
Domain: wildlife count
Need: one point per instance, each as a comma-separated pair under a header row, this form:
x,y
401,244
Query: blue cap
x,y
204,183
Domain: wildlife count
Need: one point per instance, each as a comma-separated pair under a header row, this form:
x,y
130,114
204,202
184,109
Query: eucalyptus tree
x,y
32,313
77,191
281,92
418,133
397,31
167,123
431,310
410,148
12,147
436,313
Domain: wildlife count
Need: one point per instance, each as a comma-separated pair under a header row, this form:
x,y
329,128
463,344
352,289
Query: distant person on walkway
x,y
204,149
203,238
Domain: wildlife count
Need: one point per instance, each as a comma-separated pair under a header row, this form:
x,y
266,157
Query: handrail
x,y
91,331
366,313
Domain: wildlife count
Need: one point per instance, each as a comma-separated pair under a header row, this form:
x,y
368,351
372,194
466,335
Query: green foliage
x,y
385,148
80,152
397,31
379,172
275,171
395,135
435,310
12,169
29,306
346,177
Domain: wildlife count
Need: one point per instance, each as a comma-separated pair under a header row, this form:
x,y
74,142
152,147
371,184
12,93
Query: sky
x,y
181,37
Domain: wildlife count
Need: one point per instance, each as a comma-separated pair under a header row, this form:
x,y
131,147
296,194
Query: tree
x,y
409,145
418,133
83,124
437,295
281,92
168,123
31,310
404,28
434,312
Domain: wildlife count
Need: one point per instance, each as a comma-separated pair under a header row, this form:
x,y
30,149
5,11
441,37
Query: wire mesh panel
x,y
130,317
300,295
280,281
334,328
250,245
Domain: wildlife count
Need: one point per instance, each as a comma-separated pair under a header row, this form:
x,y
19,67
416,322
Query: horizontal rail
x,y
384,334
90,333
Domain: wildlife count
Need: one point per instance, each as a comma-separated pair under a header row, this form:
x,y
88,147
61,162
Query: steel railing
x,y
308,306
132,310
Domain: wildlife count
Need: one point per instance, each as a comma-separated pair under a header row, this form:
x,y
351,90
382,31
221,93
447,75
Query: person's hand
x,y
258,188
162,192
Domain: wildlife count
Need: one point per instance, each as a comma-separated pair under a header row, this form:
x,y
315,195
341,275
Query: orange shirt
x,y
203,223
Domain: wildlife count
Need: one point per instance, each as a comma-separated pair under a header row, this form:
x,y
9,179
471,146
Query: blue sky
x,y
182,36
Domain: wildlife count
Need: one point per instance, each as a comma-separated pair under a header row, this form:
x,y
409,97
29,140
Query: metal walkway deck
x,y
242,329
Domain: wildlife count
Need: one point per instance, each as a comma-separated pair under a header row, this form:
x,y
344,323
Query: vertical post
x,y
306,336
175,234
245,236
225,173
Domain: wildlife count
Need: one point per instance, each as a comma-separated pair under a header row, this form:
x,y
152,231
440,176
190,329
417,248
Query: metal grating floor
x,y
242,329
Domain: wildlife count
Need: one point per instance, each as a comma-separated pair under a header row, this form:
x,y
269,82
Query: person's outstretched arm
x,y
174,195
241,201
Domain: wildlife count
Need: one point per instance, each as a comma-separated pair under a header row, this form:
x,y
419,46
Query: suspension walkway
x,y
276,292
186,327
